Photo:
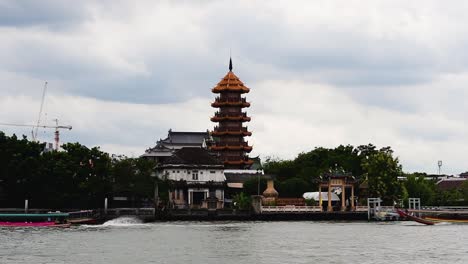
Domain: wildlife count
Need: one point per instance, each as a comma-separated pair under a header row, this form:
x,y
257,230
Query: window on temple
x,y
195,175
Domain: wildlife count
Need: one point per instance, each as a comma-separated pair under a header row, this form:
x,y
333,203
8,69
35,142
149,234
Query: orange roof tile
x,y
230,82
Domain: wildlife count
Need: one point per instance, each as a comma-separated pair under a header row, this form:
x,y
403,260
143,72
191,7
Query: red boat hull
x,y
414,218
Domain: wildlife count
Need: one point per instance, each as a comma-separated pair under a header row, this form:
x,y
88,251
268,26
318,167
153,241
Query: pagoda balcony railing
x,y
243,144
218,114
230,100
231,129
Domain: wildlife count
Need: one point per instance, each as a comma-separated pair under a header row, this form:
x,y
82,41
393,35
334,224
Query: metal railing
x,y
361,208
290,209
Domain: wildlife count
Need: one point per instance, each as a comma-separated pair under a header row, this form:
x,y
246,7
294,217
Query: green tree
x,y
382,171
417,186
251,185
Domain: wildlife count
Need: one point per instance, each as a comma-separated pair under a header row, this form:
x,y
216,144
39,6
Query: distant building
x,y
197,178
450,183
174,141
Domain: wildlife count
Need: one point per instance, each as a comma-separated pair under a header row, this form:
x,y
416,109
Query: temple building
x,y
197,179
165,148
229,134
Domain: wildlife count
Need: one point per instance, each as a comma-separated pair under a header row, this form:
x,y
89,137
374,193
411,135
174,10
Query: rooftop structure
x,y
177,140
337,182
197,178
450,183
194,157
229,134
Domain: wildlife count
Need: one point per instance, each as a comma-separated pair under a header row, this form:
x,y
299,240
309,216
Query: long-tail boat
x,y
414,218
34,220
456,215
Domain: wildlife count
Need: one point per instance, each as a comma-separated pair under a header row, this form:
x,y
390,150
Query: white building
x,y
196,177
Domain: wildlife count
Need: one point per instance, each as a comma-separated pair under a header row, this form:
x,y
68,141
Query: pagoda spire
x,y
230,64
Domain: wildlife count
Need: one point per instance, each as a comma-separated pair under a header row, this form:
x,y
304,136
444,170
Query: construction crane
x,y
56,127
34,131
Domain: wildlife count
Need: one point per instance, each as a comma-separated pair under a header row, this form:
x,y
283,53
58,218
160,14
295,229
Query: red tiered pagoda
x,y
229,134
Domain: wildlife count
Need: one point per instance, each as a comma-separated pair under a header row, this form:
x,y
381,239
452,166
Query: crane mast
x,y
34,133
38,124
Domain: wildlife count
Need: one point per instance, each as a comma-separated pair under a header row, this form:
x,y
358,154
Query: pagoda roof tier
x,y
230,102
230,147
230,83
231,131
230,118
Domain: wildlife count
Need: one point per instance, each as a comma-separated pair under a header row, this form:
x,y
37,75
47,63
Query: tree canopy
x,y
77,177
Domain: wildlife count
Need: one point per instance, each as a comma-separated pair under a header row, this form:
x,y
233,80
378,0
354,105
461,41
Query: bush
x,y
311,202
242,201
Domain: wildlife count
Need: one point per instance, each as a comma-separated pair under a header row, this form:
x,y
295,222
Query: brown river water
x,y
127,241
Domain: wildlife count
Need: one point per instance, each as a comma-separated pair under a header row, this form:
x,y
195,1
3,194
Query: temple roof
x,y
232,83
257,163
177,140
193,156
186,138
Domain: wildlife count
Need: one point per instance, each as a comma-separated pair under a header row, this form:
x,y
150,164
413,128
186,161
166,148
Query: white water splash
x,y
124,221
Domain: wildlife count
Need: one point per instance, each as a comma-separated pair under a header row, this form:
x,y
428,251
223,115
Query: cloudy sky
x,y
321,73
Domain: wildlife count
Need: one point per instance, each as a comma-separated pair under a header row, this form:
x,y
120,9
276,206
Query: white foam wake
x,y
124,221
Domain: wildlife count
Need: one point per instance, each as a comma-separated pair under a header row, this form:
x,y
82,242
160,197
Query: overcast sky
x,y
321,73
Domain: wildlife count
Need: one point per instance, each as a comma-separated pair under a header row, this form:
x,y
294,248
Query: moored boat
x,y
33,224
444,215
34,220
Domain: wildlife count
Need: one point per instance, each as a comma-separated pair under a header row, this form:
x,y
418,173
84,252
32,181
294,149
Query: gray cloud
x,y
54,14
399,68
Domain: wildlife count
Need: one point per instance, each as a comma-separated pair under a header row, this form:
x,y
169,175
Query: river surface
x,y
126,241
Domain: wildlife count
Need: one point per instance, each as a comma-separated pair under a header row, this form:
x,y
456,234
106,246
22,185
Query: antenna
x,y
34,134
439,163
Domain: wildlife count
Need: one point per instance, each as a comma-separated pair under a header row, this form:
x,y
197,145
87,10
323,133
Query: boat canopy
x,y
315,196
34,215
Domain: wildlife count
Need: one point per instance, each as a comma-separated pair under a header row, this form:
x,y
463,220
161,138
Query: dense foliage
x,y
377,170
81,177
77,177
